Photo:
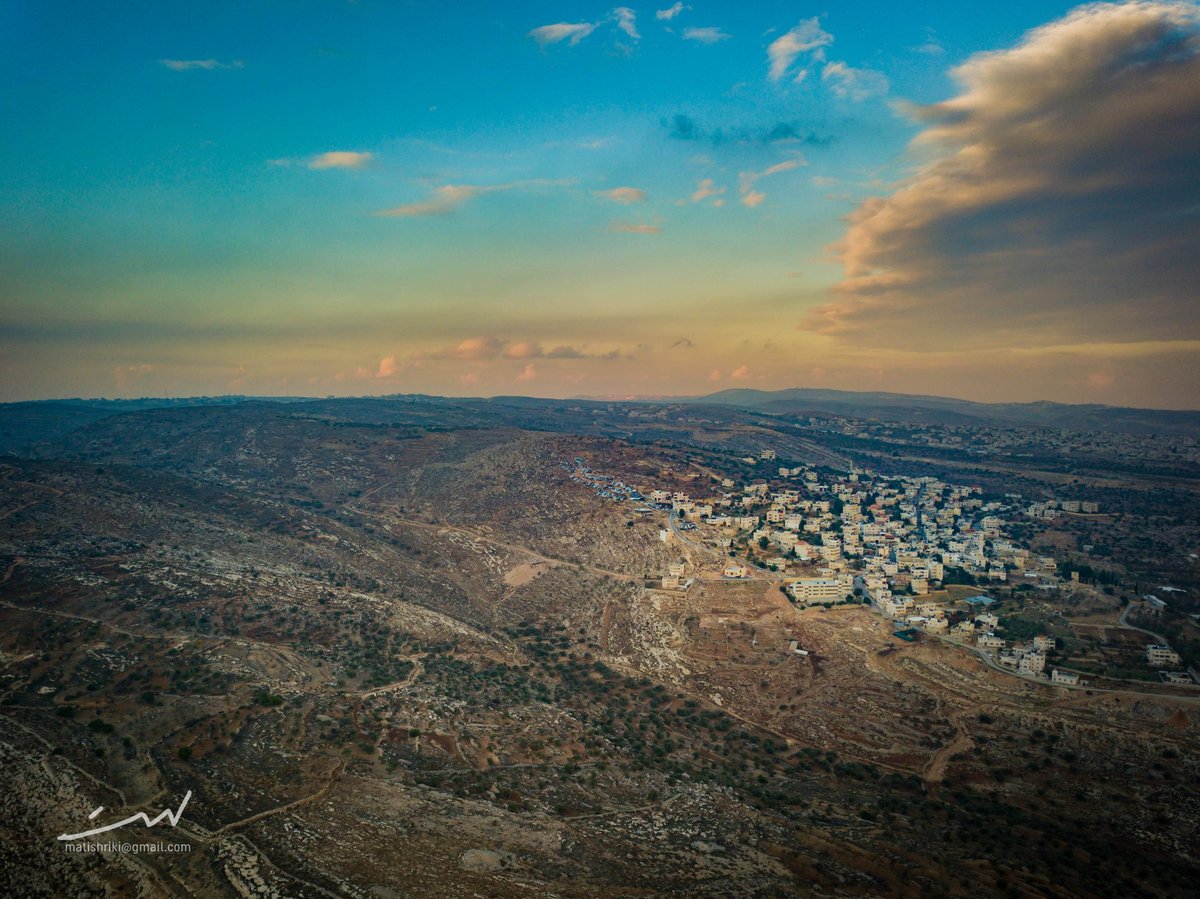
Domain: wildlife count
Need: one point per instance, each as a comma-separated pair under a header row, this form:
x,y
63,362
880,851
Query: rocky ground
x,y
395,663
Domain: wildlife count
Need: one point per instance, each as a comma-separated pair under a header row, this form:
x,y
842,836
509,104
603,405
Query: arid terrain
x,y
393,649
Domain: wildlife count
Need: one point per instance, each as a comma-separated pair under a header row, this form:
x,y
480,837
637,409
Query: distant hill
x,y
29,425
942,410
24,424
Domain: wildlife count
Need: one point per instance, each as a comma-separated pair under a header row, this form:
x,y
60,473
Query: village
x,y
921,551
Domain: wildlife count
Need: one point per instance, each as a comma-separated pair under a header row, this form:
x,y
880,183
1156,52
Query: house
x,y
1059,676
991,641
733,569
1043,642
1032,663
786,540
1161,655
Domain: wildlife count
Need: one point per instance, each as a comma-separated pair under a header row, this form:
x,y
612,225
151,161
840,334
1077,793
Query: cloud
x,y
705,189
706,35
682,343
387,367
445,200
573,33
529,373
185,65
931,46
129,376
683,127
340,159
523,349
635,228
740,373
854,84
486,347
747,180
449,197
479,348
786,166
624,195
1058,201
666,15
807,37
626,20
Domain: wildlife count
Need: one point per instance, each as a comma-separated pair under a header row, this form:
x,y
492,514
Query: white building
x,y
1058,676
815,589
1161,655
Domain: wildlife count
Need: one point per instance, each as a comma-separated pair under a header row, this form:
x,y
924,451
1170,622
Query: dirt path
x,y
934,771
8,476
416,672
286,807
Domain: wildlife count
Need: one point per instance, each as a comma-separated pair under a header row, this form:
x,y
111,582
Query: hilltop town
x,y
914,547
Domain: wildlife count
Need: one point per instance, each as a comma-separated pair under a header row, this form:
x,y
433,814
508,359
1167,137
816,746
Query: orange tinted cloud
x,y
1058,200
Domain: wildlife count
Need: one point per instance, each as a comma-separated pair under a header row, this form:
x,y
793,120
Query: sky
x,y
998,202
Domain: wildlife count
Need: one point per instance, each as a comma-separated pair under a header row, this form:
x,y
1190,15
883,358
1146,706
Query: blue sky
x,y
549,198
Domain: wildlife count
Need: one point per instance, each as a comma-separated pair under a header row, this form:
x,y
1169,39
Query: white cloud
x,y
623,195
340,159
707,35
854,84
753,198
626,20
184,65
807,37
666,15
573,33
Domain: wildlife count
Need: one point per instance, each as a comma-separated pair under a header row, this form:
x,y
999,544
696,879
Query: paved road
x,y
1124,623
